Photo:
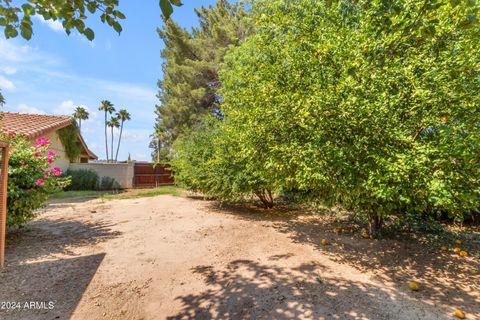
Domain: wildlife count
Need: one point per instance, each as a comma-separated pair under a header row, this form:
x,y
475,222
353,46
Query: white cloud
x,y
27,57
6,84
130,91
65,108
11,52
9,70
55,25
136,135
68,107
28,109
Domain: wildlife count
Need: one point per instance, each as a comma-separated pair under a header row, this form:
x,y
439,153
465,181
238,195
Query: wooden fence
x,y
3,199
146,175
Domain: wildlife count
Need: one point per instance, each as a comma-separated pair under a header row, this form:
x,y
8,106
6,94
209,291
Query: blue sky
x,y
53,72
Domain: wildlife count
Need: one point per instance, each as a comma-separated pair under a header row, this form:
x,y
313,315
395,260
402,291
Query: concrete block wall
x,y
121,172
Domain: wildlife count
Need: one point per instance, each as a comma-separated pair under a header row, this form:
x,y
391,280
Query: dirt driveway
x,y
181,258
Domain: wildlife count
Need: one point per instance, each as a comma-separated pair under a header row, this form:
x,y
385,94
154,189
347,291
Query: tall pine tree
x,y
192,59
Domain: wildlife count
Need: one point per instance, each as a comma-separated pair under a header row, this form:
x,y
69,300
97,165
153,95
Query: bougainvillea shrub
x,y
31,177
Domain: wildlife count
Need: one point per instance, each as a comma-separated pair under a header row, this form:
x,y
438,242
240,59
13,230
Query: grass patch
x,y
165,190
76,194
130,194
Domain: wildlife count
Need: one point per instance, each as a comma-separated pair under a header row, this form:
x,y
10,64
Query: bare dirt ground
x,y
179,258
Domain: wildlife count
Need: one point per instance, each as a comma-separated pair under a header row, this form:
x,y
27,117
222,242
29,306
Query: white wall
x,y
121,172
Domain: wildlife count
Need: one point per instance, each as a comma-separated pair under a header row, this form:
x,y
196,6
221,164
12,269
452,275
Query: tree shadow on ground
x,y
47,237
67,202
61,282
247,289
445,277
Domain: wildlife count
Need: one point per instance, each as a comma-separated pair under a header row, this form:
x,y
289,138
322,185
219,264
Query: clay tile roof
x,y
32,125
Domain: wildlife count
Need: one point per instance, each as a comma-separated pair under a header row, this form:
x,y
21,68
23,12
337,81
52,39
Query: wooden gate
x,y
146,175
3,199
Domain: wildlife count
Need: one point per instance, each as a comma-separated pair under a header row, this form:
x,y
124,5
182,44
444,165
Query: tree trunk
x,y
119,138
111,147
106,136
265,197
374,225
80,125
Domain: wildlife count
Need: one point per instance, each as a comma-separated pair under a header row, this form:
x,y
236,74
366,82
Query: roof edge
x,y
91,155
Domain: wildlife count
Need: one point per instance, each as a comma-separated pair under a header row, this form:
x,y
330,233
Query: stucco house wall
x,y
56,145
121,172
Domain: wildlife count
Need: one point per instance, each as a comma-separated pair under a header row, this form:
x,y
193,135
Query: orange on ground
x,y
413,285
458,242
459,314
324,242
464,253
457,249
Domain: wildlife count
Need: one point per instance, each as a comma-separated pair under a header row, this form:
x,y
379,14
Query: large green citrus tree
x,y
369,104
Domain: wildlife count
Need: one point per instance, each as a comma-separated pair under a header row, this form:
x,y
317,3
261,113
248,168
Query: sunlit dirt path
x,y
182,258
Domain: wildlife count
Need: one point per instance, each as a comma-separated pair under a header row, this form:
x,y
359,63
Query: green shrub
x,y
108,183
31,179
210,159
82,179
85,179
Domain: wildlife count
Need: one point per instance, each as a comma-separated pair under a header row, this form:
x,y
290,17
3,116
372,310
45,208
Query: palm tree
x,y
80,114
113,123
123,116
106,106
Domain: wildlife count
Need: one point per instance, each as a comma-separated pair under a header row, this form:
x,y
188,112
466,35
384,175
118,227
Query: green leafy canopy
x,y
16,17
372,105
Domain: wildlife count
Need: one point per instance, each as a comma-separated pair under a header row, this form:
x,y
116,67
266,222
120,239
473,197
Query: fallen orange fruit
x,y
413,285
464,253
458,242
457,249
324,242
459,314
365,235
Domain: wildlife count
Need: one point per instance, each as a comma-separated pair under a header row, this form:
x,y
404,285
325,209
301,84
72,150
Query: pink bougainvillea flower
x,y
56,171
39,182
42,142
50,156
37,154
